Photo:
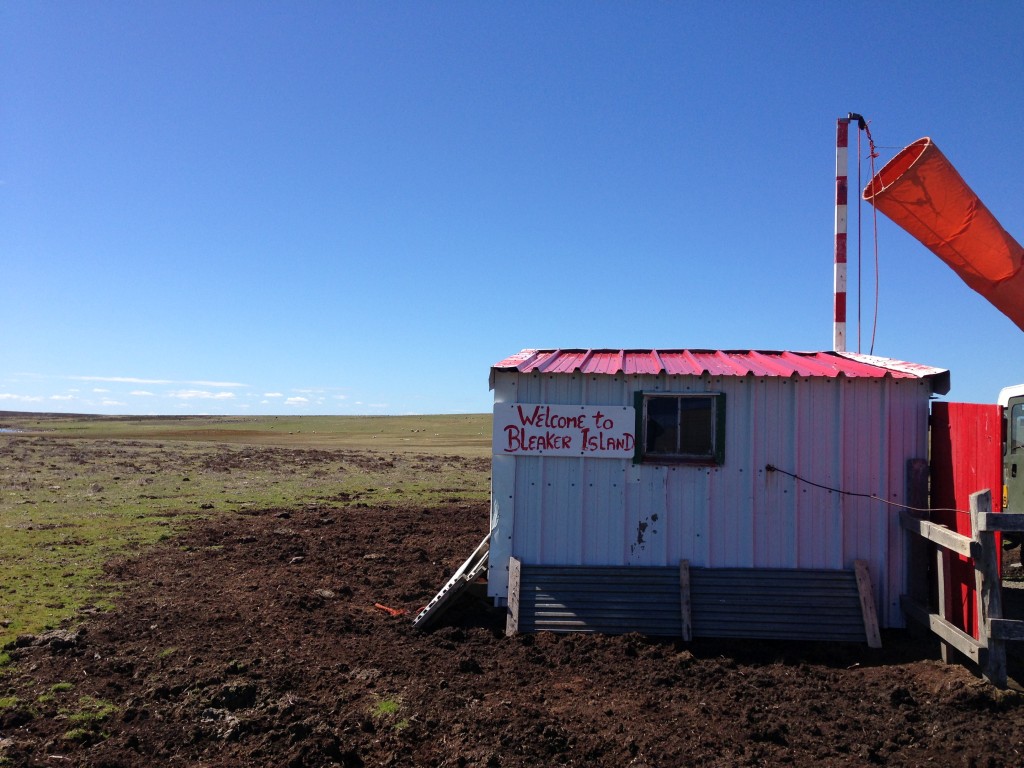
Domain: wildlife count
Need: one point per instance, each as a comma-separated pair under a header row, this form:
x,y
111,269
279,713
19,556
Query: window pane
x,y
1017,427
696,426
662,419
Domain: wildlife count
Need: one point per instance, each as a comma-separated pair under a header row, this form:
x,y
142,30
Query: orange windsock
x,y
920,190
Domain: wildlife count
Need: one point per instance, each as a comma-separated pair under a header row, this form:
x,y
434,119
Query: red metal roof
x,y
719,362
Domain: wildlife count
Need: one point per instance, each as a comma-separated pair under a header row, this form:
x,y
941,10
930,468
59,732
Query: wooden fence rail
x,y
988,650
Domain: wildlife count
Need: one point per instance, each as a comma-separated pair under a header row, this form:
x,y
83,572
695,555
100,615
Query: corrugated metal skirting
x,y
765,603
776,604
610,600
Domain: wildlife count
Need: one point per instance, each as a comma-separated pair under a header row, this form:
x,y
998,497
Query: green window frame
x,y
677,428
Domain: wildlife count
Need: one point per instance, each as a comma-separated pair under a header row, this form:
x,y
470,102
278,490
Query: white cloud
x,y
141,393
20,398
137,380
200,394
272,394
120,379
62,397
100,391
297,401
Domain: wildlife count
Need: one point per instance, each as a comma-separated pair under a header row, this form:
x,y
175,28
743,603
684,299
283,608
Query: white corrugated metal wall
x,y
854,434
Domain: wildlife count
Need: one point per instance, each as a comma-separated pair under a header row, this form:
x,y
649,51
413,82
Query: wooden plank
x,y
917,548
917,483
941,559
515,573
1001,521
990,600
1006,629
949,634
684,600
867,604
939,534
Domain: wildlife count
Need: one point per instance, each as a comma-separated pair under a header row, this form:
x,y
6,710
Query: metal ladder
x,y
467,573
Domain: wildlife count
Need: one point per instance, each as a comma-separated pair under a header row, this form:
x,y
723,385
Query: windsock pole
x,y
839,266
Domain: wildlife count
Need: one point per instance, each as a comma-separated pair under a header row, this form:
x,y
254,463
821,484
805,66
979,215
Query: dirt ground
x,y
256,640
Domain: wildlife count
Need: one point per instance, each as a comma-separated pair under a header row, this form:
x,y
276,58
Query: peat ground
x,y
255,640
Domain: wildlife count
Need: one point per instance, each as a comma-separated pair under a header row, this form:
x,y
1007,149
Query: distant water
x,y
10,430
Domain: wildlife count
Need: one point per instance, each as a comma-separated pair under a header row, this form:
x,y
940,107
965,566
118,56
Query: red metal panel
x,y
966,457
562,362
643,362
698,362
722,363
819,365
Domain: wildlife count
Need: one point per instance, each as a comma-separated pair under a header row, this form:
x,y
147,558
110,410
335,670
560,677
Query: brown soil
x,y
255,641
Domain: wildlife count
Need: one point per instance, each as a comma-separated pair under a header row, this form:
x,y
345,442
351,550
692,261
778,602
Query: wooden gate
x,y
954,556
988,650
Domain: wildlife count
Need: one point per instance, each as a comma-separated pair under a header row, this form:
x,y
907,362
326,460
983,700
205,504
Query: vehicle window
x,y
1017,427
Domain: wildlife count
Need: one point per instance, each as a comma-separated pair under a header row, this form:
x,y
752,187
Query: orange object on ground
x,y
920,190
392,611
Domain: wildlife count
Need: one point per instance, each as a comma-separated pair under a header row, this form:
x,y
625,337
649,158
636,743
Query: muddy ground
x,y
256,640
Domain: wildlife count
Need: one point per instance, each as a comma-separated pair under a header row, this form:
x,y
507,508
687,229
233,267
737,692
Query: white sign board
x,y
594,431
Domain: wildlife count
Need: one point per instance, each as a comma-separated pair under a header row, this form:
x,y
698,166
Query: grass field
x,y
464,435
76,491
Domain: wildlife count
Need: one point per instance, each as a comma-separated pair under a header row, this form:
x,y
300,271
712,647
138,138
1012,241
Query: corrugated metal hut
x,y
725,461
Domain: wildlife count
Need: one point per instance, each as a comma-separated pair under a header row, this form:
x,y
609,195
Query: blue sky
x,y
350,208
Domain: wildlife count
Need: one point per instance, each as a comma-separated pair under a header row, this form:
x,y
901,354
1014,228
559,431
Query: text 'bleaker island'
x,y
540,428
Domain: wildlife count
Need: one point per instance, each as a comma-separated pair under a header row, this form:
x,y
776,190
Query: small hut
x,y
703,492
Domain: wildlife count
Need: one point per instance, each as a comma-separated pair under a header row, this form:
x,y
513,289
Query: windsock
x,y
922,192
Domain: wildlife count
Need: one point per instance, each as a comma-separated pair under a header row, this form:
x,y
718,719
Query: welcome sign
x,y
603,432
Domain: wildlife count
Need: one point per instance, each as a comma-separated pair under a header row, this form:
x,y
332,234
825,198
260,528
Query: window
x,y
680,428
1016,427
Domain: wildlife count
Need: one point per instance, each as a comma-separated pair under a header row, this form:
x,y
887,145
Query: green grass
x,y
77,491
90,710
463,434
87,718
386,708
78,734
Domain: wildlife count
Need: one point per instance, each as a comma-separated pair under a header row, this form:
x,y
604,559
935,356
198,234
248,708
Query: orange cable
x,y
872,154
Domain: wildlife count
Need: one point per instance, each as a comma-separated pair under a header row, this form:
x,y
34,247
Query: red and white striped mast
x,y
839,265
